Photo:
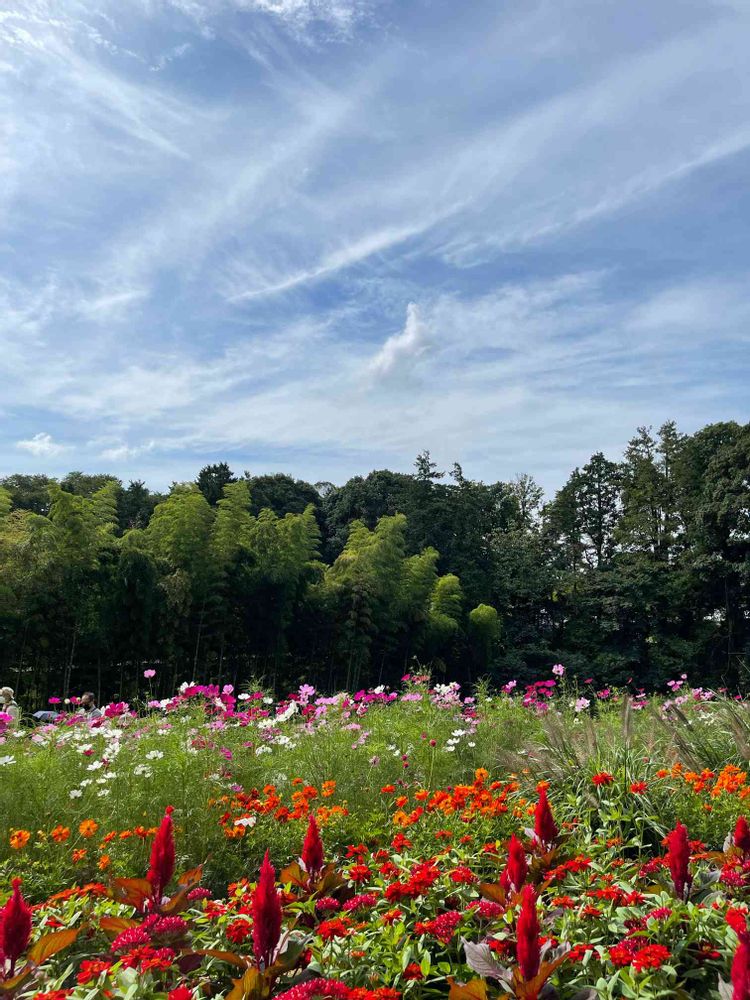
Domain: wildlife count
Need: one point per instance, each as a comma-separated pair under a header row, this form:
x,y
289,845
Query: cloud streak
x,y
325,234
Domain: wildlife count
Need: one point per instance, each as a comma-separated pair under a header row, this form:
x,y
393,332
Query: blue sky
x,y
319,236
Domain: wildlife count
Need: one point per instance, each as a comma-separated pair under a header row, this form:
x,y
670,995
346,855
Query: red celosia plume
x,y
517,868
266,911
741,969
678,859
15,925
528,947
161,868
312,849
742,835
544,822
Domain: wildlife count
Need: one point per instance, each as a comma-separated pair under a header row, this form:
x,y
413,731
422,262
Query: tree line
x,y
637,569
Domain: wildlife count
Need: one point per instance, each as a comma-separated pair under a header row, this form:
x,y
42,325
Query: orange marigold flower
x,y
104,862
79,854
88,827
328,788
60,833
19,839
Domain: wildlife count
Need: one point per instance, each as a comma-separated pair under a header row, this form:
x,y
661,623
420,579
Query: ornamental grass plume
x,y
266,913
161,868
545,827
528,947
15,926
678,860
742,835
312,849
516,868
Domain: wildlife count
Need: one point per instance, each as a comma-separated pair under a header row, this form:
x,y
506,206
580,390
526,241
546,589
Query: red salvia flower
x,y
545,827
678,859
528,948
15,925
312,849
742,835
266,912
741,969
516,869
161,868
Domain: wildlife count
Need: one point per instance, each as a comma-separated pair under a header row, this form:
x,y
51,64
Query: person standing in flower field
x,y
88,704
9,706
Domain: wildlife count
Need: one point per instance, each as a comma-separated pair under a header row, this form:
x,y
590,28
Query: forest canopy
x,y
635,569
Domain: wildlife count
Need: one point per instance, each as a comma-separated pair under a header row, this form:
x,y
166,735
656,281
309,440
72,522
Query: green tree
x,y
212,479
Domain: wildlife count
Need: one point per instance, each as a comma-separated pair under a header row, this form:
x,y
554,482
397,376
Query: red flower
x,y
741,970
15,925
528,950
603,778
737,920
129,939
180,993
333,928
516,869
90,970
413,971
545,827
638,787
312,849
331,988
742,835
161,868
238,930
678,859
266,910
653,956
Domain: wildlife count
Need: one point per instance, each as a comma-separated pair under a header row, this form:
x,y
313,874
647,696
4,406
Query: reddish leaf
x,y
293,874
113,926
224,956
492,891
250,985
191,877
11,985
50,944
476,989
132,891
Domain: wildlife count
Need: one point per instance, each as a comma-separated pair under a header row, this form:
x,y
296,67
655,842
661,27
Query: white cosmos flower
x,y
76,793
7,760
154,755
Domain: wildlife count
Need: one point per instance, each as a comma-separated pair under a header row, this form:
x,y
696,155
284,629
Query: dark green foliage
x,y
634,571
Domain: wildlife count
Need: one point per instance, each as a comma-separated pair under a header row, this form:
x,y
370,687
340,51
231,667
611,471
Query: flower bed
x,y
398,865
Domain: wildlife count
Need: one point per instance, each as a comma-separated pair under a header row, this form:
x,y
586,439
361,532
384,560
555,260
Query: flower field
x,y
553,840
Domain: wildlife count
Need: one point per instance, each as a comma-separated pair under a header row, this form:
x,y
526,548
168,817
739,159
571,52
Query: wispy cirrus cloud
x,y
334,232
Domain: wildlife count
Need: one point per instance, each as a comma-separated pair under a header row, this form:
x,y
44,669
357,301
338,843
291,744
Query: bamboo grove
x,y
635,569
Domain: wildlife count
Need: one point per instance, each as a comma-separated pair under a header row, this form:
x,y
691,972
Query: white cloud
x,y
42,446
340,15
402,349
122,452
